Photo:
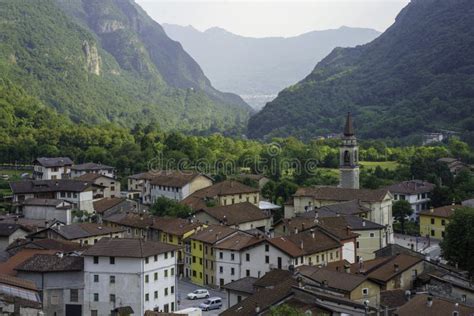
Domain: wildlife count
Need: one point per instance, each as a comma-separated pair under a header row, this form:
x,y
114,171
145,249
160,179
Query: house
x,y
239,256
57,245
446,285
259,179
221,194
9,233
174,231
423,304
415,192
113,205
133,224
90,167
379,202
59,278
200,255
433,222
176,185
108,187
129,273
78,193
239,290
243,216
309,247
19,297
454,165
52,168
355,287
82,233
47,210
395,272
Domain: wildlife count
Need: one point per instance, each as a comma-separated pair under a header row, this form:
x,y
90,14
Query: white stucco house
x,y
415,192
90,167
129,274
45,168
47,210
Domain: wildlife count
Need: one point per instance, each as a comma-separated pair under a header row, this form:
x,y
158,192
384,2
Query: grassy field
x,y
390,165
13,175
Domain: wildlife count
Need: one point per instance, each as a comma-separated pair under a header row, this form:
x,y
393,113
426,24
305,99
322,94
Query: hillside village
x,y
76,243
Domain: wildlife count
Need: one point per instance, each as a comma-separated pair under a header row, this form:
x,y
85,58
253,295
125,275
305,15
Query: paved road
x,y
185,287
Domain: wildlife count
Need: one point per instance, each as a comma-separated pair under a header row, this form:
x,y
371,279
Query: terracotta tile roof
x,y
341,281
8,267
175,178
27,224
273,278
91,166
342,194
213,233
51,263
53,162
386,269
102,205
238,242
411,187
46,244
244,285
6,229
338,227
418,305
128,247
42,186
142,176
84,230
228,187
44,202
305,244
132,219
175,226
22,283
92,177
235,214
443,211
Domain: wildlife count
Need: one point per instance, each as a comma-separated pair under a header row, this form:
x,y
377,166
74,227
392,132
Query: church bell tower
x,y
349,157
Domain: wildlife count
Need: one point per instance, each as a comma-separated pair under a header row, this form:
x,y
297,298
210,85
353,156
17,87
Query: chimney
x,y
363,223
301,245
313,235
429,301
347,268
432,209
396,267
296,230
257,308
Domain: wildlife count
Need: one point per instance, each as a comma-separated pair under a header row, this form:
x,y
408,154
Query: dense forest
x,y
417,77
108,61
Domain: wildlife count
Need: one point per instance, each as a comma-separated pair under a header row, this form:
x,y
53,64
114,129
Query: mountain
x,y
107,61
257,68
417,76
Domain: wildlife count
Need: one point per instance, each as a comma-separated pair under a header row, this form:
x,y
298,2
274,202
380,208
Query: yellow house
x,y
174,231
200,255
433,222
223,193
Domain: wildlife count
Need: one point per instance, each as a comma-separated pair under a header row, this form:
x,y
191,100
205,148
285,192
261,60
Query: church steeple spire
x,y
349,129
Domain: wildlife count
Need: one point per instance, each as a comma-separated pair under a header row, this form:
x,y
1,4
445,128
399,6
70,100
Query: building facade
x,y
349,157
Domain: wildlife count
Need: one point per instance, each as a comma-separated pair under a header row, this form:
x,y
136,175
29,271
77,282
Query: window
x,y
432,221
166,291
112,298
365,291
357,245
172,271
233,201
166,273
172,290
156,276
156,258
94,312
112,260
156,294
172,254
146,260
432,232
247,272
372,235
112,279
200,247
247,257
194,273
317,258
442,234
166,255
221,255
255,199
330,256
232,256
74,295
147,278
239,298
232,271
194,259
96,297
200,261
267,248
221,270
147,297
96,260
443,222
96,278
194,245
267,259
337,253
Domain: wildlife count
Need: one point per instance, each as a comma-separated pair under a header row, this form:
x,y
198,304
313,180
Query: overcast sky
x,y
275,18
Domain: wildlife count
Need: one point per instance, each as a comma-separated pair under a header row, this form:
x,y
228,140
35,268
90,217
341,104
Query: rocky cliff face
x,y
92,58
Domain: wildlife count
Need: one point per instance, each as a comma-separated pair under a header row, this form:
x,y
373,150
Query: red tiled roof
x,y
443,211
342,194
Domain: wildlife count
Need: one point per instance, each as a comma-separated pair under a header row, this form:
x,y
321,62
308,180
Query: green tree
x,y
167,207
401,210
285,310
458,244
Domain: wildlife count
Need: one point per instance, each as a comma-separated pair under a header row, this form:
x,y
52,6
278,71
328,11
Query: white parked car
x,y
199,293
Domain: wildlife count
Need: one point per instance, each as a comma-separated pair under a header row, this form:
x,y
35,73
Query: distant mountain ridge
x,y
416,77
261,66
107,61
